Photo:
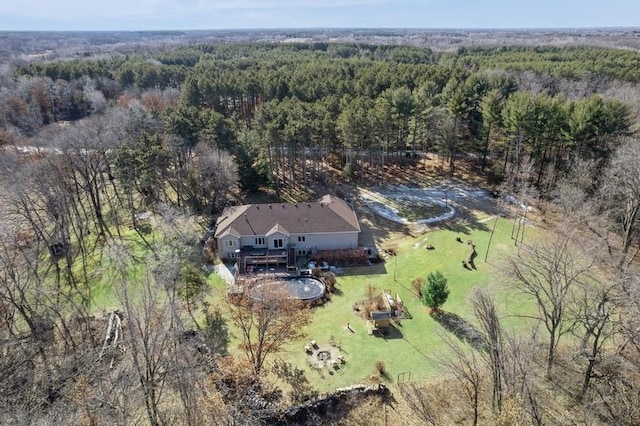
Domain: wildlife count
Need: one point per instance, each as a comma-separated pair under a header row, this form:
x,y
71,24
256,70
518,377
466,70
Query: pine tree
x,y
435,291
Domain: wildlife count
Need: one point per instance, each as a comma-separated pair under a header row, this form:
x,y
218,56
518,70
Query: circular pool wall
x,y
306,289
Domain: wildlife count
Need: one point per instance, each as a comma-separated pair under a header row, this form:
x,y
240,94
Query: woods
x,y
367,106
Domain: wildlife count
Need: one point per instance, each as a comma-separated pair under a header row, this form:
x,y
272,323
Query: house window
x,y
301,238
259,241
229,243
278,243
232,255
302,252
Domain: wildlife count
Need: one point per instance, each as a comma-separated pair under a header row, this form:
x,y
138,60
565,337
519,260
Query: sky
x,y
132,15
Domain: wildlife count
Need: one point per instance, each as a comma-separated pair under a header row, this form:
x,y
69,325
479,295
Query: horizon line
x,y
271,29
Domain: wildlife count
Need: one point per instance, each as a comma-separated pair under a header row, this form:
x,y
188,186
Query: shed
x,y
381,318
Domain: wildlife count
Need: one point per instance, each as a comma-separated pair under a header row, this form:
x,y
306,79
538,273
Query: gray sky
x,y
228,14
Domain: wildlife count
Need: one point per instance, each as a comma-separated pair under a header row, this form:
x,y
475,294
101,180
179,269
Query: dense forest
x,y
184,131
360,105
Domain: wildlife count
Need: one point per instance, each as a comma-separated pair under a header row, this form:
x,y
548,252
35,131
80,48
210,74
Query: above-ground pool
x,y
307,289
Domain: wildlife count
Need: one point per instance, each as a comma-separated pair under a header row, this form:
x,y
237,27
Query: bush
x,y
347,171
344,257
417,285
330,281
435,292
381,368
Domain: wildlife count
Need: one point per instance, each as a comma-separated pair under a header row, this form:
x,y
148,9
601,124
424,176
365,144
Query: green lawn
x,y
411,348
106,281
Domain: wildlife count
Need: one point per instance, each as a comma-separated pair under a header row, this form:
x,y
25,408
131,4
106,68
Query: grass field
x,y
410,349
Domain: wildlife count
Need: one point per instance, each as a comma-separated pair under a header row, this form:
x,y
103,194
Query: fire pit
x,y
323,355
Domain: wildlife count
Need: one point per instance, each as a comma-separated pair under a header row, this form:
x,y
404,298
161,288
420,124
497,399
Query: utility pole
x,y
486,255
395,268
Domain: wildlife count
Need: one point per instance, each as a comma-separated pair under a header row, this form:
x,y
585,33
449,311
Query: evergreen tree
x,y
435,291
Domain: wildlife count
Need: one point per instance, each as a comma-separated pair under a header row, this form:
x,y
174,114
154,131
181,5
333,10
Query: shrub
x,y
381,368
417,285
347,171
366,311
370,292
435,292
345,257
330,281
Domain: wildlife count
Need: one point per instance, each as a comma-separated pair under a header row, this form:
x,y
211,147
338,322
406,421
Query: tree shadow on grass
x,y
461,328
388,333
406,314
216,332
336,292
465,225
373,269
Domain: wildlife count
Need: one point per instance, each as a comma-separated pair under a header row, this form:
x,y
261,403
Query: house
x,y
278,233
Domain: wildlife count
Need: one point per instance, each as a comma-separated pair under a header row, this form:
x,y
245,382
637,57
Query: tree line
x,y
288,106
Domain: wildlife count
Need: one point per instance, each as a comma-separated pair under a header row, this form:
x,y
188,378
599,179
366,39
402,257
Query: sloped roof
x,y
277,228
230,231
380,315
329,214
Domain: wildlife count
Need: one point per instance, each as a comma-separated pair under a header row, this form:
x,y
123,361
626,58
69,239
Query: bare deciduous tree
x,y
595,310
620,191
419,400
520,375
484,310
267,319
463,363
549,271
213,174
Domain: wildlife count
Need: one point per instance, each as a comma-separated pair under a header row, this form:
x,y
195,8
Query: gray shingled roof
x,y
380,315
329,214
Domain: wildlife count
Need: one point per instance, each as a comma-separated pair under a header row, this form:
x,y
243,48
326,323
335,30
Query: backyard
x,y
408,349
